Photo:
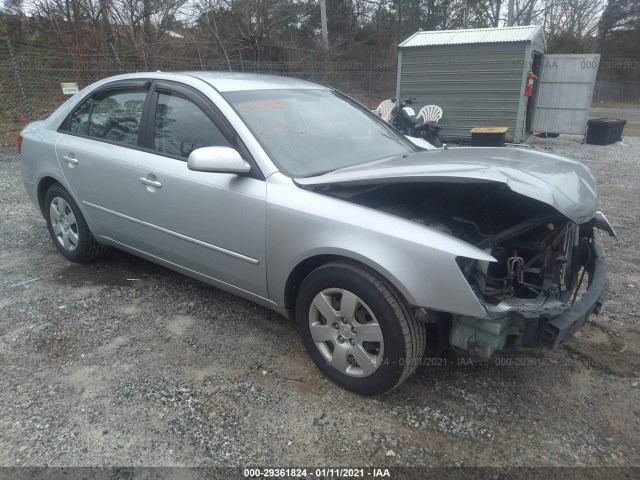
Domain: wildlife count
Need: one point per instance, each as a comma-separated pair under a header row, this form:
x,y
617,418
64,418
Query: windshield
x,y
310,132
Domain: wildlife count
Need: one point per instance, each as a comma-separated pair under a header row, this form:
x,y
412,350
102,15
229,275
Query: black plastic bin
x,y
605,131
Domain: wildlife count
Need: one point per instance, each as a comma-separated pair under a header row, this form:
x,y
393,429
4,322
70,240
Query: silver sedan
x,y
294,196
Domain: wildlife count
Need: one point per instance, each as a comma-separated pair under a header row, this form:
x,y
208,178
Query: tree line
x,y
276,29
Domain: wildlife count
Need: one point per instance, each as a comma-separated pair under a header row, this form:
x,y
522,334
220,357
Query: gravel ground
x,y
125,363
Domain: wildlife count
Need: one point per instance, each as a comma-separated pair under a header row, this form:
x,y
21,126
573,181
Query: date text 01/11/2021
x,y
316,472
469,362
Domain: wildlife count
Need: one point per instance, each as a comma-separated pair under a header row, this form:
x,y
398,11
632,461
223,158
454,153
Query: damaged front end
x,y
547,281
535,214
549,273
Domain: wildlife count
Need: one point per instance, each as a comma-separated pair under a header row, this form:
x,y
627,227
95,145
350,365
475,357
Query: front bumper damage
x,y
531,324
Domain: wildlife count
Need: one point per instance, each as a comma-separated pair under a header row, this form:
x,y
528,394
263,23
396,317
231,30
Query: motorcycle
x,y
404,118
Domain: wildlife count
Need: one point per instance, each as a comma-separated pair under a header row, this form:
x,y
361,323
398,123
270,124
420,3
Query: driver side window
x,y
181,126
112,115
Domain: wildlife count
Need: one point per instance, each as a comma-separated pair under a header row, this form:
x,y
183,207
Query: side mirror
x,y
217,159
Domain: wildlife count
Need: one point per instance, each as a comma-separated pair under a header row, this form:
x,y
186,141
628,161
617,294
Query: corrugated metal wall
x,y
477,85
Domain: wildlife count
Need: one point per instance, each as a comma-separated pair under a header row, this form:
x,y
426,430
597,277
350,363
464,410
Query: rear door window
x,y
80,119
114,115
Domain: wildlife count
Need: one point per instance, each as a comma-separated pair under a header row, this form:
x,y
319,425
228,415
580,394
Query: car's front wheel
x,y
68,228
357,329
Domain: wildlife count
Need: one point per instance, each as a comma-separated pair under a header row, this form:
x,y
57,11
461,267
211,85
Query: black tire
x,y
553,135
84,248
404,337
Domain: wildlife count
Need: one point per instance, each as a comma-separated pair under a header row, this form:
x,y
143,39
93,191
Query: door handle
x,y
151,183
69,159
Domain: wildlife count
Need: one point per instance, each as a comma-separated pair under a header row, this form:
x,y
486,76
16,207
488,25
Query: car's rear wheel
x,y
67,227
357,329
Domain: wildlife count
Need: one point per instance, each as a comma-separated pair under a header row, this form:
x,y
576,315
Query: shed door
x,y
563,95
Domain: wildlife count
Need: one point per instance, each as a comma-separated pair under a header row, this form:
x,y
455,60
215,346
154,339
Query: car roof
x,y
236,81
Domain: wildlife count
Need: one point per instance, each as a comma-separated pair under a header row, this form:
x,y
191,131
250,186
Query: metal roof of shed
x,y
477,35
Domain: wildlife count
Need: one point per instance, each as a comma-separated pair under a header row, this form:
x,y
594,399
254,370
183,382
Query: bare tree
x,y
209,14
323,25
485,13
573,18
145,22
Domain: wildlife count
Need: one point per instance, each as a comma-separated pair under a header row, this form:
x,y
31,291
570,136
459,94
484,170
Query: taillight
x,y
19,144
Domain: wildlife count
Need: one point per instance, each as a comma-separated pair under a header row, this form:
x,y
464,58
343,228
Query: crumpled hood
x,y
566,185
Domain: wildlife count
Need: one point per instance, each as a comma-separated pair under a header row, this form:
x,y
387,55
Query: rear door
x,y
562,100
97,152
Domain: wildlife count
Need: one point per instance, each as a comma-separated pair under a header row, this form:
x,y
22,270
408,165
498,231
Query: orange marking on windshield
x,y
282,125
263,106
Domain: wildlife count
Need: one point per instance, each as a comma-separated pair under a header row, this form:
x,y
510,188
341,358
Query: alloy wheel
x,y
346,332
64,224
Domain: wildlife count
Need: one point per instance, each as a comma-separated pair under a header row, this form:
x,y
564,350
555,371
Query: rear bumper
x,y
28,180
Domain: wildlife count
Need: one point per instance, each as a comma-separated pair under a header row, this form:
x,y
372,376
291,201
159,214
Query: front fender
x,y
417,260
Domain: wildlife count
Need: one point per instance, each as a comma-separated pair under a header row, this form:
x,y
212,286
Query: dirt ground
x,y
125,363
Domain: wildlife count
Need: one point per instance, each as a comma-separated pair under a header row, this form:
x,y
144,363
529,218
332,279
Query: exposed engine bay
x,y
544,260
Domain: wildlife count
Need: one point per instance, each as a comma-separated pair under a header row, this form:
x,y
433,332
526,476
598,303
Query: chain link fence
x,y
31,76
617,91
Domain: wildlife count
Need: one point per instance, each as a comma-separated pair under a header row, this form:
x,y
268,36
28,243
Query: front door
x,y
209,223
